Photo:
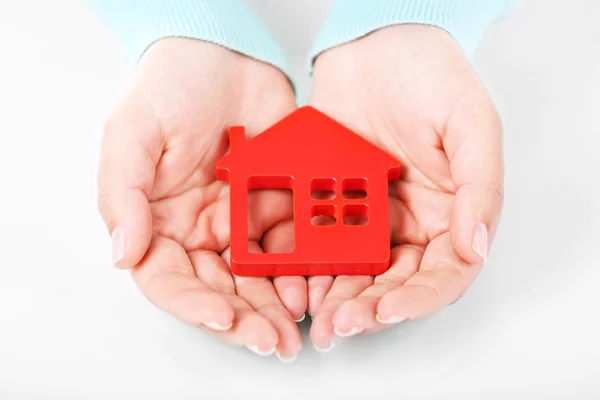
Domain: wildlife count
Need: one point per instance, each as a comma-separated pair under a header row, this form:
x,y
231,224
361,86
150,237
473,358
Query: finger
x,y
166,277
260,294
359,314
343,288
131,148
318,287
249,328
292,290
442,279
473,143
212,271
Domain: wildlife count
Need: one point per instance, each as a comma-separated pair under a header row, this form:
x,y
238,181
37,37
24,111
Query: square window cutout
x,y
356,214
322,188
354,188
323,215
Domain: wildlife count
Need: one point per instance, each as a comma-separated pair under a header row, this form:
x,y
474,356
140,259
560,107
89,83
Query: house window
x,y
326,202
323,215
354,188
356,214
262,192
322,188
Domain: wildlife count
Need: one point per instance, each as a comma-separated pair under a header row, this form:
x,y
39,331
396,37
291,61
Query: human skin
x,y
410,90
166,212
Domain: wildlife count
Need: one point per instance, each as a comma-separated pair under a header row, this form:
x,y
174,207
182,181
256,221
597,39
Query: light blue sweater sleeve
x,y
465,20
229,23
234,25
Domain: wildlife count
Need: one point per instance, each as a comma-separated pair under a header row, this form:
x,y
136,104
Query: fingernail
x,y
394,319
351,332
255,349
480,240
324,349
301,318
287,360
118,244
216,326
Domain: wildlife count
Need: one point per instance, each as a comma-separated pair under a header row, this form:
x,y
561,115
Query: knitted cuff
x,y
465,20
229,23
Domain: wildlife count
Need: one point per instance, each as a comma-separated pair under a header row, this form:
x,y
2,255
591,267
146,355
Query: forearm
x,y
229,23
465,20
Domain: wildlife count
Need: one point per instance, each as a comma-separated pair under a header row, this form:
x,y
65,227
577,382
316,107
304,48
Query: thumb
x,y
473,143
131,148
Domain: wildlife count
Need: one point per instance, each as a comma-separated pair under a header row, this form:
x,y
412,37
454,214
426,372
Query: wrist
x,y
183,69
464,20
397,45
227,23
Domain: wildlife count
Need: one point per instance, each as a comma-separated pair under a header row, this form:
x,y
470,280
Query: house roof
x,y
302,132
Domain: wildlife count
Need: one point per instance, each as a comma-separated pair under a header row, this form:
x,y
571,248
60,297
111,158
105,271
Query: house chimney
x,y
237,137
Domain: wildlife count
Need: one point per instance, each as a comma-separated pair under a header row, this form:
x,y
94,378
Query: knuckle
x,y
270,309
104,201
445,281
221,287
493,194
428,291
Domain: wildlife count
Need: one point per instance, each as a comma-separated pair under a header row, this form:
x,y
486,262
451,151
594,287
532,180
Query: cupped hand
x,y
410,90
166,212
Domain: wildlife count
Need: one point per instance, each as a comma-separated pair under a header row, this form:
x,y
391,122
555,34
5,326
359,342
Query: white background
x,y
71,326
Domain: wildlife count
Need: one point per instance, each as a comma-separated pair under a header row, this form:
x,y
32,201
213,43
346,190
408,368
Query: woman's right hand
x,y
166,212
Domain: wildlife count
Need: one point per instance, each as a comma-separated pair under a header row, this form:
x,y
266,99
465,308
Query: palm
x,y
192,221
185,271
403,104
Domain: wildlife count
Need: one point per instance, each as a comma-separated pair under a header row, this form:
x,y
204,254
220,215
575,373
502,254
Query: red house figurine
x,y
334,174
